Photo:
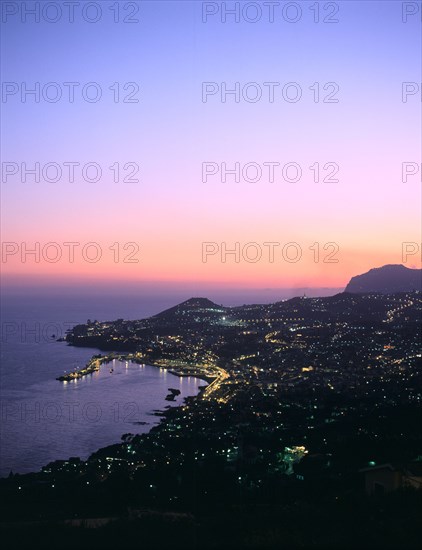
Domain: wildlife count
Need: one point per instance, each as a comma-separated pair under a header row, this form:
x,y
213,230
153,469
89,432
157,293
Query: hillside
x,y
386,280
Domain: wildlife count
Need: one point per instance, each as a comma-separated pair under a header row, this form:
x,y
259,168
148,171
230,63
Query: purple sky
x,y
173,129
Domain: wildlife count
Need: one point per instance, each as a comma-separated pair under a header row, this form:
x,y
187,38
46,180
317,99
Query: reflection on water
x,y
43,419
52,420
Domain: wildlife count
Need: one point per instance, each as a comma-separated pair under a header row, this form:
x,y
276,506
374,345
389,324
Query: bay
x,y
43,419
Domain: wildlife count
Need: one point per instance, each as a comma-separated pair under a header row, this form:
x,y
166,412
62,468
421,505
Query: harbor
x,y
207,373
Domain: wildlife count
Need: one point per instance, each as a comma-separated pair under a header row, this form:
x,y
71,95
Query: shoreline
x,y
93,365
159,414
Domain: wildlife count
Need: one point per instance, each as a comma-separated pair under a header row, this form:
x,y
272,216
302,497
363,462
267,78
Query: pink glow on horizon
x,y
171,132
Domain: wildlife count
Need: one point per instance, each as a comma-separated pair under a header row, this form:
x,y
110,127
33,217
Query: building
x,y
385,477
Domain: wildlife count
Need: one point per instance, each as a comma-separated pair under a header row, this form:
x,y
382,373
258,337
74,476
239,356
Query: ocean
x,y
43,419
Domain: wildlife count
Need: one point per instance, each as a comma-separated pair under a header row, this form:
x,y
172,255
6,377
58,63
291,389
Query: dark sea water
x,y
43,419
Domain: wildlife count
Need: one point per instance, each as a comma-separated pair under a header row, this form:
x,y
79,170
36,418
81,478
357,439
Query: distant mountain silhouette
x,y
199,302
386,280
201,305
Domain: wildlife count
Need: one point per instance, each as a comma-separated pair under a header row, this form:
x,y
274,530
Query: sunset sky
x,y
173,130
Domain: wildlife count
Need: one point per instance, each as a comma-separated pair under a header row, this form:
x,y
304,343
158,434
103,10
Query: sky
x,y
164,214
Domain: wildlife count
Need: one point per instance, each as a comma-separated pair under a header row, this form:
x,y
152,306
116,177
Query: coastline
x,y
152,419
93,365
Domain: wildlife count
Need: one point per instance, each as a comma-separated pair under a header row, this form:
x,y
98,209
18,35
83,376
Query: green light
x,y
371,463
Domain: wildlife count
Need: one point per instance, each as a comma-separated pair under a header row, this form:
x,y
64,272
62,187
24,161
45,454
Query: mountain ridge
x,y
387,279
